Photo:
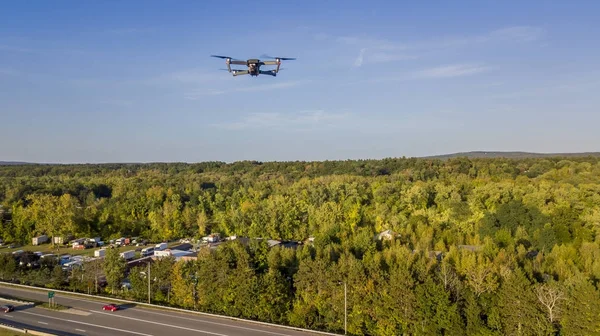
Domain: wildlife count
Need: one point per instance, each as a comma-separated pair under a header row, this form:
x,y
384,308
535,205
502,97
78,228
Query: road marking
x,y
162,324
142,309
187,318
81,330
76,312
88,324
210,322
40,322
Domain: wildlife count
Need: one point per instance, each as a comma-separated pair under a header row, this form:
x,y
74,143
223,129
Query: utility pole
x,y
345,306
345,309
195,285
148,282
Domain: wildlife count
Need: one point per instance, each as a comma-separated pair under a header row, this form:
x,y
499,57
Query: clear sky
x,y
132,81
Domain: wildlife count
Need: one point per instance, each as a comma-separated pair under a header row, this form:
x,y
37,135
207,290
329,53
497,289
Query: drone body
x,y
253,65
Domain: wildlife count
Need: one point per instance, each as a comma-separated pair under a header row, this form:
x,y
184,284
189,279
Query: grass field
x,y
6,332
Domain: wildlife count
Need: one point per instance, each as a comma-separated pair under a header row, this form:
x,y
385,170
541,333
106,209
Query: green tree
x,y
139,282
8,267
435,313
114,268
580,316
518,307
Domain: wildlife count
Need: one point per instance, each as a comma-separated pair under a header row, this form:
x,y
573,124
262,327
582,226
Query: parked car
x,y
7,308
111,307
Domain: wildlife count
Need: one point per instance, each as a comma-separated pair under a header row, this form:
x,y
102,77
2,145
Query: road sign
x,y
50,295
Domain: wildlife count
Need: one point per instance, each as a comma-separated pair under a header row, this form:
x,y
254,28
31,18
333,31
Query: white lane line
x,y
175,316
158,323
210,322
40,322
81,330
191,319
89,324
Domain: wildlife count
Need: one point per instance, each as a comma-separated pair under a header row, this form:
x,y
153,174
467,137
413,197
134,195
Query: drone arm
x,y
268,72
240,72
238,62
277,62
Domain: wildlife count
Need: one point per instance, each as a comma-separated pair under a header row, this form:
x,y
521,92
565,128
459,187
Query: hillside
x,y
470,155
510,155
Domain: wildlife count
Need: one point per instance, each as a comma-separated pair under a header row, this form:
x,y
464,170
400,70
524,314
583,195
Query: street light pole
x,y
148,282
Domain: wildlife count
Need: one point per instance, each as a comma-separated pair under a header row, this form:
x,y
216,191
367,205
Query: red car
x,y
111,307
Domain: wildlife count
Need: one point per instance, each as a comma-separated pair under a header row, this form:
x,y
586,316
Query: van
x,y
147,251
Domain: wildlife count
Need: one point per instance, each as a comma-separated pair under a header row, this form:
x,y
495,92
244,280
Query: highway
x,y
86,317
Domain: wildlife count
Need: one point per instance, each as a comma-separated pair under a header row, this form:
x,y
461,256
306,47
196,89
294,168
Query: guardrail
x,y
104,298
23,330
11,328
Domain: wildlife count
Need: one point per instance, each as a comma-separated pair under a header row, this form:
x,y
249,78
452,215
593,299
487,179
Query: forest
x,y
478,246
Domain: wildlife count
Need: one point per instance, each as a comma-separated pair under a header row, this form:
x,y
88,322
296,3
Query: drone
x,y
253,65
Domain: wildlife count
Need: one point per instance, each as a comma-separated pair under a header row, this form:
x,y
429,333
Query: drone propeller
x,y
224,57
279,58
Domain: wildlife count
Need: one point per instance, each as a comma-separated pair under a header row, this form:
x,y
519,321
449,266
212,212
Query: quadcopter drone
x,y
253,65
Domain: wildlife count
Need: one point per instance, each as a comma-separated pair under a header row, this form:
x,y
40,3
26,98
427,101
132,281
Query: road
x,y
86,317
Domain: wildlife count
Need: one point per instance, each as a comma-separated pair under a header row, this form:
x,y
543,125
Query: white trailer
x,y
160,246
100,253
162,253
39,240
128,255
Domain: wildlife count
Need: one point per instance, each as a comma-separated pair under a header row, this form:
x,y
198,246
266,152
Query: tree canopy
x,y
476,246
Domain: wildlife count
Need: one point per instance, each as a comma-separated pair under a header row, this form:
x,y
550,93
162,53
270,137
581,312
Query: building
x,y
212,238
472,248
385,235
273,242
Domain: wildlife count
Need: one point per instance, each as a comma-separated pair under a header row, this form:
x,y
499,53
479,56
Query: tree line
x,y
530,229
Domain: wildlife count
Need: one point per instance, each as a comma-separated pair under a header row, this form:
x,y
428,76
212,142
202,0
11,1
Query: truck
x,y
128,255
160,246
39,240
77,246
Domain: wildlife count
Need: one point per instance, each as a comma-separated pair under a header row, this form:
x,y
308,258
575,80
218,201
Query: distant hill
x,y
12,163
470,155
510,155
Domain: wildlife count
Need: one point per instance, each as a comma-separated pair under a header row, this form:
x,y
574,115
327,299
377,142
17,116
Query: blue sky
x,y
107,81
